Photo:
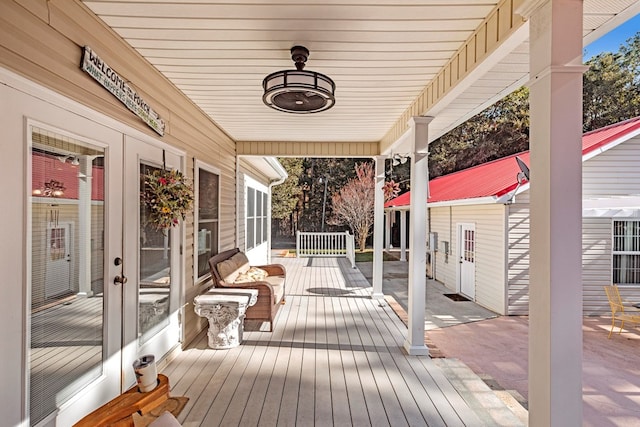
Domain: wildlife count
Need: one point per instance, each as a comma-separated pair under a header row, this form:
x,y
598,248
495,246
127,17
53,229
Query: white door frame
x,y
155,154
108,383
466,283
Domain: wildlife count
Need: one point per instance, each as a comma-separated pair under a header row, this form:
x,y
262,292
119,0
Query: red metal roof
x,y
498,177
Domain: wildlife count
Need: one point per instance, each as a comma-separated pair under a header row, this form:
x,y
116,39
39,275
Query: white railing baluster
x,y
326,245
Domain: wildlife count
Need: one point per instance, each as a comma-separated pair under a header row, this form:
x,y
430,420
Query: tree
x,y
318,172
285,197
498,131
609,95
353,204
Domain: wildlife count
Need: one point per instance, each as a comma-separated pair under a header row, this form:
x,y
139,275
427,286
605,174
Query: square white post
x,y
555,286
403,235
414,345
85,177
378,229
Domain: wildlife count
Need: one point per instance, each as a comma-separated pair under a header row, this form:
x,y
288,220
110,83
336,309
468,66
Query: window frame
x,y
198,166
615,252
259,204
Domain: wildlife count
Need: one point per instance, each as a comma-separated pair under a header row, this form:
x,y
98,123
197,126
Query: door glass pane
x,y
154,271
67,259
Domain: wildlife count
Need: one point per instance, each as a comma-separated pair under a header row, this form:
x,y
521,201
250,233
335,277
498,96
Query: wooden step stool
x,y
120,411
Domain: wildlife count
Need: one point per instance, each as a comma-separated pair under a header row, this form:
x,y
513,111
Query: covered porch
x,y
335,357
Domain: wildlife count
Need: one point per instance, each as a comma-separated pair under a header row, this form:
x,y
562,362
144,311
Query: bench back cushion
x,y
230,267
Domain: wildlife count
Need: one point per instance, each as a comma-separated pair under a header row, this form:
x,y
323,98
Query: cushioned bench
x,y
231,269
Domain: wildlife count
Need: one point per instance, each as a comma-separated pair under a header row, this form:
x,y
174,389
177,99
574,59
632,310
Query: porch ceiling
x,y
382,55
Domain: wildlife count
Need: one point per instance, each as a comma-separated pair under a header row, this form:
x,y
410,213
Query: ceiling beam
x,y
307,149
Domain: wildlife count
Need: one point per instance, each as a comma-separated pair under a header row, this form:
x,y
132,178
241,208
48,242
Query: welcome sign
x,y
110,80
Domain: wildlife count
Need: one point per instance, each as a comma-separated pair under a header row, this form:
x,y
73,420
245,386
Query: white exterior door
x,y
73,232
82,230
58,260
151,264
467,259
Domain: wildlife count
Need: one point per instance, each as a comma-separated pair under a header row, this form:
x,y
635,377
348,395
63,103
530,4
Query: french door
x,y
151,264
74,229
86,232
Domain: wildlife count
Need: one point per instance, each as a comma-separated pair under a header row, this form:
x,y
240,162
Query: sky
x,y
612,41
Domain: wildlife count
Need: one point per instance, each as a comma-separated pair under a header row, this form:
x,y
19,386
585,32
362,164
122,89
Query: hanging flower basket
x,y
167,196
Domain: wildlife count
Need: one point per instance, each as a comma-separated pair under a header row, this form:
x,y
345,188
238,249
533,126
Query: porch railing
x,y
315,244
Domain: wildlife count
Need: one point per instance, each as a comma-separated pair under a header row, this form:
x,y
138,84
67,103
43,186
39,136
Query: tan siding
x,y
490,237
598,179
444,263
241,197
42,40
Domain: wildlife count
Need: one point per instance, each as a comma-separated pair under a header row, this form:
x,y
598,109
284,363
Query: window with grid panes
x,y
207,218
626,252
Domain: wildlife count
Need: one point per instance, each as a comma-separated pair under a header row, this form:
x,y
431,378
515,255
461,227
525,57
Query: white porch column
x,y
84,225
387,230
555,289
378,229
414,345
403,235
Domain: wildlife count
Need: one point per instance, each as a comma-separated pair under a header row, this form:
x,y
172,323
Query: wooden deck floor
x,y
335,358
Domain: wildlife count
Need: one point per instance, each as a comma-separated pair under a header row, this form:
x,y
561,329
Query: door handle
x,y
119,280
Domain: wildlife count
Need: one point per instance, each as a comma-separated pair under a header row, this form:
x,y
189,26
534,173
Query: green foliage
x,y
500,130
285,196
321,173
611,91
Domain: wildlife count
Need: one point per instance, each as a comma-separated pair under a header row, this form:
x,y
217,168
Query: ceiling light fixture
x,y
299,91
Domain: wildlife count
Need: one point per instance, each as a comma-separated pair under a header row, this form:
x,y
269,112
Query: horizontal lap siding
x,y
614,172
518,256
596,264
490,261
42,41
445,271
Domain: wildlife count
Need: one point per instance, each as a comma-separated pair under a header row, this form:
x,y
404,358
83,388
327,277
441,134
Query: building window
x,y
626,252
207,218
256,218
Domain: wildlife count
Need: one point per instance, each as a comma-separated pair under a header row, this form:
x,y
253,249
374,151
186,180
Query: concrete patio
x,y
495,348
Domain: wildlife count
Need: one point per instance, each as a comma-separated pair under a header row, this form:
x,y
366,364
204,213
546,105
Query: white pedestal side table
x,y
225,308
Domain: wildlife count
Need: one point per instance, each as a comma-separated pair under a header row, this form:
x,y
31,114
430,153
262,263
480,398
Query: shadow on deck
x,y
335,358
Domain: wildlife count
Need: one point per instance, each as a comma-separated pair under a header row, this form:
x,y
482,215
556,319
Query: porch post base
x,y
377,295
416,350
